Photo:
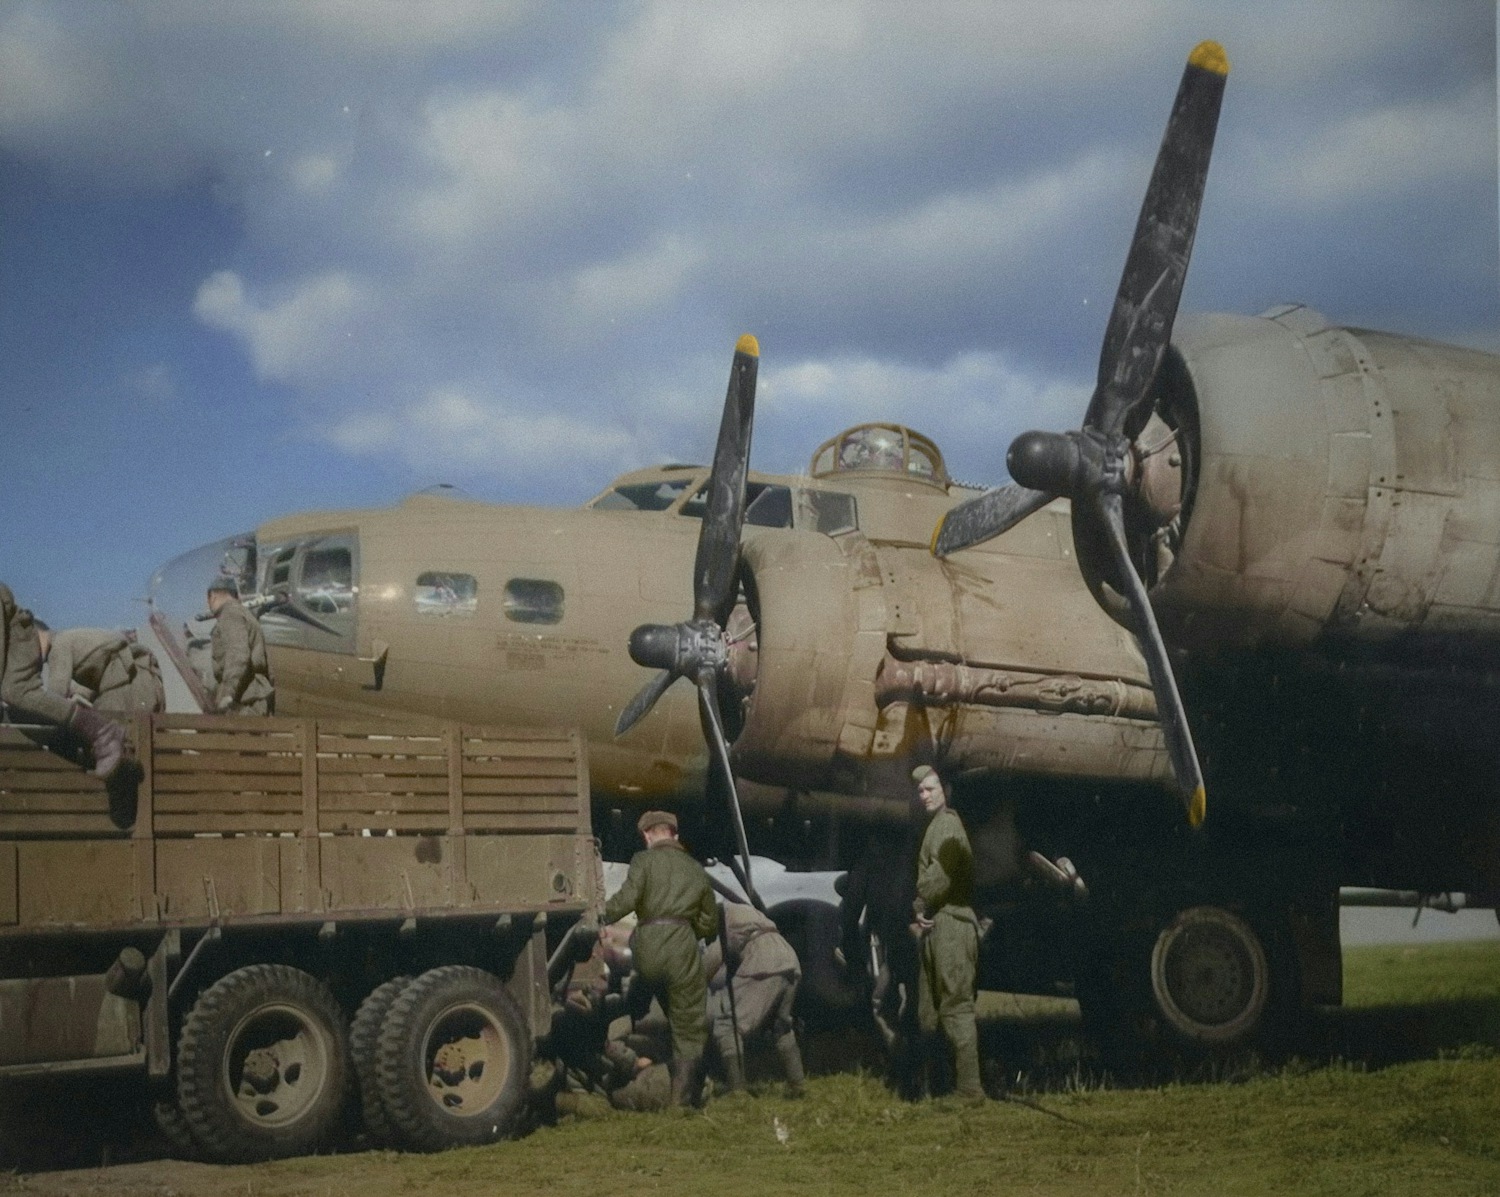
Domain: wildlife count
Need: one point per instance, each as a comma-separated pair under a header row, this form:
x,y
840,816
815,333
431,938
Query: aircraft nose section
x,y
176,598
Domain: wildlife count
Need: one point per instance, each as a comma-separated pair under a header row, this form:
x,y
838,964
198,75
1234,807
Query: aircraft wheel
x,y
261,1064
1201,986
454,1060
364,1048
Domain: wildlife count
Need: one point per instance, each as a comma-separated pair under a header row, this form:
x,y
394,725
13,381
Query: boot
x,y
734,1070
791,1063
106,738
684,1071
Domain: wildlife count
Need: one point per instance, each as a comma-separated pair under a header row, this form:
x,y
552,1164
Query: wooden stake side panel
x,y
277,816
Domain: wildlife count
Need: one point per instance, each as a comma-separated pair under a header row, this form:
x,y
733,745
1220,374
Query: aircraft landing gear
x,y
1193,989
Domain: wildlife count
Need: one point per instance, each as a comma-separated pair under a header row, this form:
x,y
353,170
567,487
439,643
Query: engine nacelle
x,y
1344,485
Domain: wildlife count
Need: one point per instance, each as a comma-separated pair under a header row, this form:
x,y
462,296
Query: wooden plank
x,y
52,800
420,766
177,803
453,742
190,824
481,732
246,741
521,750
377,780
227,723
32,759
76,780
225,762
381,728
202,783
384,801
519,822
378,822
520,785
330,744
511,767
39,823
523,802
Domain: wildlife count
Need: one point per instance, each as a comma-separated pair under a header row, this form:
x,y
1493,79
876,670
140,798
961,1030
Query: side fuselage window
x,y
441,593
533,600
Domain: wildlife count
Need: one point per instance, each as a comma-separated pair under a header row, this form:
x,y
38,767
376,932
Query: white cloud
x,y
465,432
1376,153
314,329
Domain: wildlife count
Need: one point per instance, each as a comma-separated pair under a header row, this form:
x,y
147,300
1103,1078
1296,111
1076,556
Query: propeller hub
x,y
1045,461
682,649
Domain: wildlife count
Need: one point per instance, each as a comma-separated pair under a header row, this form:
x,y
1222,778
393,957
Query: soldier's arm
x,y
933,881
623,901
706,916
60,667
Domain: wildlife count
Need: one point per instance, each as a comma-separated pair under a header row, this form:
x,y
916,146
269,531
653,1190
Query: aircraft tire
x,y
262,1064
1200,989
364,1048
454,1060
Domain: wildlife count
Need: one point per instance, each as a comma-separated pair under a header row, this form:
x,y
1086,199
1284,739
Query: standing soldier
x,y
21,688
98,666
242,670
948,930
764,972
671,894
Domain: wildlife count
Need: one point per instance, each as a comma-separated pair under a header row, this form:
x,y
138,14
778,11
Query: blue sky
x,y
258,258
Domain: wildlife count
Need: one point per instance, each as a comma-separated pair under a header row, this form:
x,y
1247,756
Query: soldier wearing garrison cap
x,y
948,932
242,670
670,893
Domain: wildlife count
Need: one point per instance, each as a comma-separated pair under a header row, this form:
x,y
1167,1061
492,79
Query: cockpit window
x,y
828,511
307,596
766,505
642,496
920,463
871,448
888,449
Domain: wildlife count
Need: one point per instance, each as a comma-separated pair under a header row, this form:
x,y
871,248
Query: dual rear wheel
x,y
264,1064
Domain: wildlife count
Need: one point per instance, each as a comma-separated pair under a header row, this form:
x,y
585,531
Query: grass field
x,y
1398,1093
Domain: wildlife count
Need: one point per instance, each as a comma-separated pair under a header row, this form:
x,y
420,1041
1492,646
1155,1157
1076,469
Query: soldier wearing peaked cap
x,y
948,931
670,893
242,669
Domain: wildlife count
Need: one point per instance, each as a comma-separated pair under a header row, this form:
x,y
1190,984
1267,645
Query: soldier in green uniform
x,y
670,893
94,664
764,971
242,670
21,688
948,931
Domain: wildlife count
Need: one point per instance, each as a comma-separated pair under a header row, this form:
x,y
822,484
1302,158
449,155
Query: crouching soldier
x,y
21,689
754,989
670,893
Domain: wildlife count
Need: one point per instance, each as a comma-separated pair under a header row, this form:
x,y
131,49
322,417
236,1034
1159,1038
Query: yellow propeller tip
x,y
1211,57
748,344
1197,807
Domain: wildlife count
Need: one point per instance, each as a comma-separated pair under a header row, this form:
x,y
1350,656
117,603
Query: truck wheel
x,y
261,1064
174,1128
364,1045
454,1060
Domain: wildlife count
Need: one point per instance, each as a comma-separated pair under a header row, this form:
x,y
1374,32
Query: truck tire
x,y
364,1046
174,1128
262,1064
454,1060
1199,986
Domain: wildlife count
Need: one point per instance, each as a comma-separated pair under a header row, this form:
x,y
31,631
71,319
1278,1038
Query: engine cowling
x,y
1342,484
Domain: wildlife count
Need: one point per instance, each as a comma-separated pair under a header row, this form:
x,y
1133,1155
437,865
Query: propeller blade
x,y
1111,516
719,540
718,747
985,516
645,698
1146,303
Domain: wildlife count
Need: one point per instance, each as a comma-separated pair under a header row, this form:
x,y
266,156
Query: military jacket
x,y
945,867
664,882
756,948
88,661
